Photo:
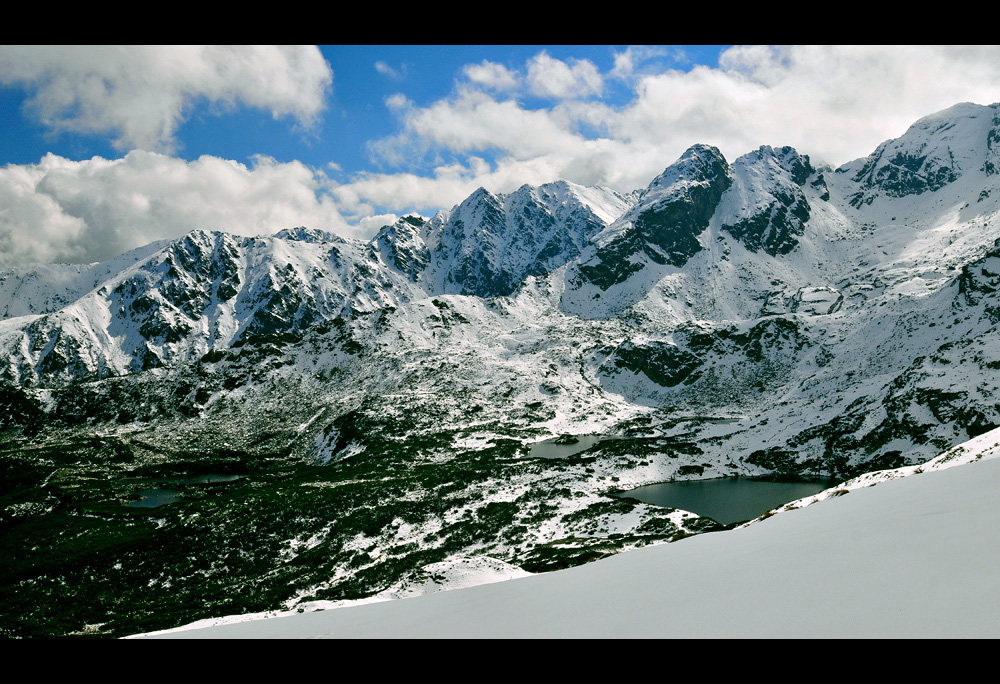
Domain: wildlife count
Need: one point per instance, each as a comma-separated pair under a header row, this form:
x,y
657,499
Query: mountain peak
x,y
664,227
767,208
480,194
696,164
785,158
934,152
304,234
401,245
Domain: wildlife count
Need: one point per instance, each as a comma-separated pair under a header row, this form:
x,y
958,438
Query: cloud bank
x,y
141,94
83,211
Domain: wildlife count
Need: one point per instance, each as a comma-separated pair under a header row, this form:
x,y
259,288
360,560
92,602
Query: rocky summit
x,y
373,405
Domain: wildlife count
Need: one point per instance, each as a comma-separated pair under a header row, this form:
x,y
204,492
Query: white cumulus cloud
x,y
492,75
550,77
476,121
141,94
835,103
84,211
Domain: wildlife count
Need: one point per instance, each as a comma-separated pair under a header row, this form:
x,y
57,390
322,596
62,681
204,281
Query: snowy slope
x,y
45,288
913,557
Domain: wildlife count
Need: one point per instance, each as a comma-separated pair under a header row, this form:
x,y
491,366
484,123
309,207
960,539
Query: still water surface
x,y
551,448
151,498
160,496
726,500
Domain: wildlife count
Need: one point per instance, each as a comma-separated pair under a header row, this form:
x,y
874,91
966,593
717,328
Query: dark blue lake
x,y
151,498
726,500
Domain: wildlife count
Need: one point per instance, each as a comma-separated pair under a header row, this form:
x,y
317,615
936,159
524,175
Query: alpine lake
x,y
166,491
727,500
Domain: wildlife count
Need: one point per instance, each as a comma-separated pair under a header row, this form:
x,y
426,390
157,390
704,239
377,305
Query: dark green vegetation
x,y
78,561
764,354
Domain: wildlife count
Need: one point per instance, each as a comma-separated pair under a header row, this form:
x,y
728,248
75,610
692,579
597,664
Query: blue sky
x,y
356,111
107,148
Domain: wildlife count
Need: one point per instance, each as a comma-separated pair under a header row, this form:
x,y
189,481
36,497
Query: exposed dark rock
x,y
672,213
774,180
662,362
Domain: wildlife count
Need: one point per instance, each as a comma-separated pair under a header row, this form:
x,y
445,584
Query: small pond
x,y
565,445
726,500
160,496
151,498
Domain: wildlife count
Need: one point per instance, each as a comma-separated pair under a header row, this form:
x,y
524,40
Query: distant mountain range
x,y
840,318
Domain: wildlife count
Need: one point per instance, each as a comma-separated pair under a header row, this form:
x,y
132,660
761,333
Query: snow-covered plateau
x,y
222,425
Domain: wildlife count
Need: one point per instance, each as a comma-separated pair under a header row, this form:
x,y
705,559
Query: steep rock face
x,y
992,164
293,282
56,351
674,209
467,246
402,246
551,224
198,269
979,281
488,244
934,152
278,301
766,207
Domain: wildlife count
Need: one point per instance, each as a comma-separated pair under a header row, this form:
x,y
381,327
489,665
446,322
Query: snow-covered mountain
x,y
841,315
749,317
488,244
